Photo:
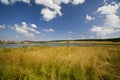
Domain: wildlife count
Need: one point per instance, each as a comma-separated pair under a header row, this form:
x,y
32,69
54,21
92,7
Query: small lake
x,y
47,44
40,44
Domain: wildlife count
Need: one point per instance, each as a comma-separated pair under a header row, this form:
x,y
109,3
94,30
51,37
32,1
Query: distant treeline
x,y
25,42
110,39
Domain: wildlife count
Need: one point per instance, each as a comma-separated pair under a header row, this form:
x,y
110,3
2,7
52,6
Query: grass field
x,y
88,42
60,63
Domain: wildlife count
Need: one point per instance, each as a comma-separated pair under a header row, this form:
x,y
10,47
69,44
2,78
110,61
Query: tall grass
x,y
60,63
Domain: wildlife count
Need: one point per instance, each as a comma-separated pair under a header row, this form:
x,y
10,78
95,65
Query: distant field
x,y
60,63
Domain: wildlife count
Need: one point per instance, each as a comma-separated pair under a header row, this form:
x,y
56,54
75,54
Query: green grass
x,y
60,63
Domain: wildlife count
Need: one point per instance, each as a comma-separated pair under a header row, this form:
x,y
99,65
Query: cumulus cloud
x,y
7,2
109,8
89,18
102,32
61,1
33,26
2,26
48,3
26,1
26,29
111,24
76,2
49,30
53,7
48,14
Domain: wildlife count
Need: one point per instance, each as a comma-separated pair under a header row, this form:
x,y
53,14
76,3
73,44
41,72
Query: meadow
x,y
60,63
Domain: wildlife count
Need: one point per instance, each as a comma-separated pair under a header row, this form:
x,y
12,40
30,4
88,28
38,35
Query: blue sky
x,y
59,19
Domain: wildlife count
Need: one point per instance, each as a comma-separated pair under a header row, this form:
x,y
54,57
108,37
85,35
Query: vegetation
x,y
60,63
109,40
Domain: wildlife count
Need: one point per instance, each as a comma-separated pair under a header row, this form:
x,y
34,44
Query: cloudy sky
x,y
59,19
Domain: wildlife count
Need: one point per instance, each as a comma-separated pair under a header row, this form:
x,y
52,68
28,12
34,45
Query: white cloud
x,y
48,14
33,26
48,3
26,1
76,2
23,31
26,29
89,18
7,2
112,20
111,24
49,30
53,7
2,26
61,1
102,32
108,9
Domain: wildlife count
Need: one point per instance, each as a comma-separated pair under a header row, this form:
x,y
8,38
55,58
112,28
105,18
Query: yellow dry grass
x,y
60,63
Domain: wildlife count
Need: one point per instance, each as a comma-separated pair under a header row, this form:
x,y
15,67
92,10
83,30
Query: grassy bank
x,y
60,63
87,42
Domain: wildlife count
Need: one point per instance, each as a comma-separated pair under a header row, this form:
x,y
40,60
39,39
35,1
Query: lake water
x,y
40,44
46,44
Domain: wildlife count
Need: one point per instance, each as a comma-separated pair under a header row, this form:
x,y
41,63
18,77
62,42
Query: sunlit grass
x,y
60,63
